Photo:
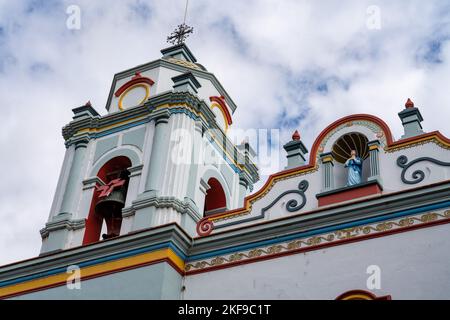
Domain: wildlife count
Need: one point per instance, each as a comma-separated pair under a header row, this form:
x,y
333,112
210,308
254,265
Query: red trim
x,y
208,224
135,80
95,243
313,155
321,246
362,292
223,106
59,284
346,195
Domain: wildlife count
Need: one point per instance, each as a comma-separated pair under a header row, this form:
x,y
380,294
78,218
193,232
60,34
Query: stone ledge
x,y
348,193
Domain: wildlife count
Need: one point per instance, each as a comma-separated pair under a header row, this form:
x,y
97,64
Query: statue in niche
x,y
354,165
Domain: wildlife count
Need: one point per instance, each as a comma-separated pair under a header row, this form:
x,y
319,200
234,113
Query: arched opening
x,y
361,295
341,151
108,200
215,200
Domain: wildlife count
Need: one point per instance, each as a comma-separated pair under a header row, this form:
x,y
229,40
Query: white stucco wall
x,y
414,265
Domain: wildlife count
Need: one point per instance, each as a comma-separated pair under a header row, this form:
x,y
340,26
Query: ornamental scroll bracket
x,y
417,175
206,225
292,205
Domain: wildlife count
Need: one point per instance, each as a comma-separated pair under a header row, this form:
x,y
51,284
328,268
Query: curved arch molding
x,y
385,133
137,79
223,107
125,152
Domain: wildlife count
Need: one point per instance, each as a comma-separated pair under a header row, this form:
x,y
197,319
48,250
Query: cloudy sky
x,y
287,64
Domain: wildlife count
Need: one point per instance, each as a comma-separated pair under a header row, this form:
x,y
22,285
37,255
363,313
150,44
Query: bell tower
x,y
160,155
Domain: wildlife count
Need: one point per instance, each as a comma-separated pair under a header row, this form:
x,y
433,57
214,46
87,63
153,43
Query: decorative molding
x,y
314,242
182,207
203,74
384,135
220,102
292,205
418,175
67,224
173,102
364,189
206,226
137,79
124,94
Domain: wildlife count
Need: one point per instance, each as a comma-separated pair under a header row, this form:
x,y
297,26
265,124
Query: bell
x,y
110,208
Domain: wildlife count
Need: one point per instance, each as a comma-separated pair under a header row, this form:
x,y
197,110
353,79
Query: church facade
x,y
154,202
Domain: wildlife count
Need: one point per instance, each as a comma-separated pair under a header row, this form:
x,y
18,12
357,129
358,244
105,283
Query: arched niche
x,y
216,192
115,175
215,199
128,152
341,151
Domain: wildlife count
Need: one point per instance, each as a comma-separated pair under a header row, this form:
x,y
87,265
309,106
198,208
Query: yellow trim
x,y
139,85
216,105
327,159
165,106
434,137
358,297
429,138
375,147
118,124
98,269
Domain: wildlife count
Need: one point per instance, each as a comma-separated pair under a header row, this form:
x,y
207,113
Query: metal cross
x,y
106,190
182,31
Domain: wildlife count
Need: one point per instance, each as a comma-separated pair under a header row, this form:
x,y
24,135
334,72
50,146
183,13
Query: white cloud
x,y
272,56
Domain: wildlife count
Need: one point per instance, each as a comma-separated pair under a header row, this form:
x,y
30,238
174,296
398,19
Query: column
x,y
328,176
73,186
158,156
193,184
374,160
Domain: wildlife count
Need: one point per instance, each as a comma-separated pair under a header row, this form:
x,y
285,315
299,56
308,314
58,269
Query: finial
x,y
296,136
409,104
182,31
137,75
88,104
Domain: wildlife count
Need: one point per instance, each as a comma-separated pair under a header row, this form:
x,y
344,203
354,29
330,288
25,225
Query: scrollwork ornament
x,y
417,175
292,205
205,227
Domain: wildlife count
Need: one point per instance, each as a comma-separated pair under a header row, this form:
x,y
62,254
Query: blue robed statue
x,y
354,165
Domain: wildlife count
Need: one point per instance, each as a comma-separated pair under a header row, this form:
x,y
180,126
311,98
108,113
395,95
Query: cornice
x,y
176,67
375,207
67,224
167,234
182,207
173,102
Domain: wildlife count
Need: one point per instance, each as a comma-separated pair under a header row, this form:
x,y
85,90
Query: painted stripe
x,y
92,271
166,245
317,231
128,123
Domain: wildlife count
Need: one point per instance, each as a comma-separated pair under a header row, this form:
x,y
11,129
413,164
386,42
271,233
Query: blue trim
x,y
180,254
120,128
175,110
317,231
97,261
